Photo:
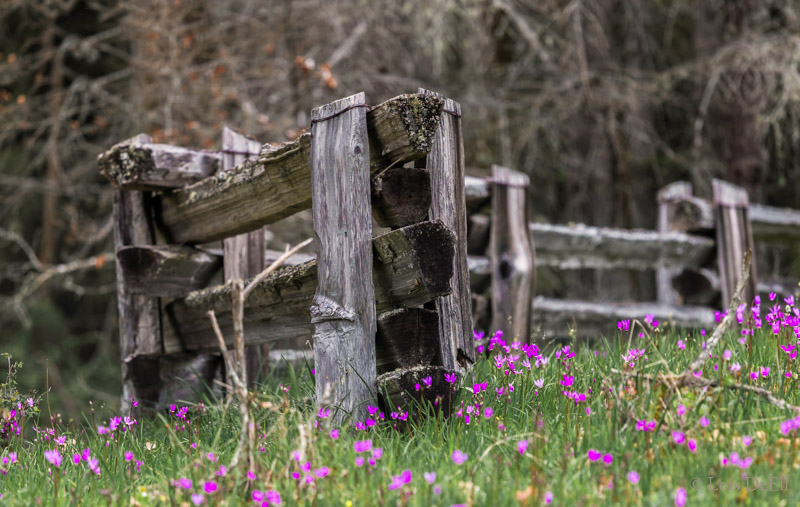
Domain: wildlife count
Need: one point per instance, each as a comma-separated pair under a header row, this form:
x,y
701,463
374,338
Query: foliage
x,y
568,426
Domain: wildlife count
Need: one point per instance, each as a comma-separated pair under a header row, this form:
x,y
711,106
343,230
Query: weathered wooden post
x,y
445,162
734,238
512,255
343,312
139,315
666,294
244,254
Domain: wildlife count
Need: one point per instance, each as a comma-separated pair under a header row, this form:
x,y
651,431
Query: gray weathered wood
x,y
278,184
478,230
734,238
477,193
244,254
343,312
775,224
583,246
555,317
147,166
139,316
406,337
411,266
446,165
165,271
401,196
512,255
665,293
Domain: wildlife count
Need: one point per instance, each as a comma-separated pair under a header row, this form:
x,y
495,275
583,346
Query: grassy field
x,y
605,424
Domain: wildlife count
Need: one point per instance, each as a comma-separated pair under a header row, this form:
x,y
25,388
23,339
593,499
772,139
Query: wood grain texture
x,y
478,230
446,165
245,254
512,255
147,166
139,316
734,238
665,294
343,311
165,271
407,337
411,266
278,183
401,196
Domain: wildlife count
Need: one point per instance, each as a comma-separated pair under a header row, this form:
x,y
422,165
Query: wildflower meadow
x,y
610,422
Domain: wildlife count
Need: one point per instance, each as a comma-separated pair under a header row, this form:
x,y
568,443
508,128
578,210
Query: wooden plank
x,y
278,183
734,238
512,255
665,294
147,166
446,165
477,193
411,266
582,246
556,318
401,196
343,312
139,316
406,337
696,286
165,271
245,254
775,224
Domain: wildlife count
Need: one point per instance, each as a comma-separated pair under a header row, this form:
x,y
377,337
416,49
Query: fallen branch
x,y
236,368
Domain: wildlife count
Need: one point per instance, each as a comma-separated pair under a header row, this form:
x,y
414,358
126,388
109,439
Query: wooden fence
x,y
696,252
384,311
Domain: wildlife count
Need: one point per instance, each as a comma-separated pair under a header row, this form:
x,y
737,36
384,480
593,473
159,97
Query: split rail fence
x,y
697,253
383,311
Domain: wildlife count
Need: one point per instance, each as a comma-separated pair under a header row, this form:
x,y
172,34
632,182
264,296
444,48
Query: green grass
x,y
559,433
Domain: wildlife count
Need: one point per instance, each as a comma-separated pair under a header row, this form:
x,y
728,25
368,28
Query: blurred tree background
x,y
602,102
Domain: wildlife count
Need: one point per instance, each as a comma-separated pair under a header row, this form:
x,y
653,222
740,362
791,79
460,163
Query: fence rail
x,y
683,253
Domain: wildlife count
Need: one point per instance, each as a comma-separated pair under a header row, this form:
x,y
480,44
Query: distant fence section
x,y
383,310
695,252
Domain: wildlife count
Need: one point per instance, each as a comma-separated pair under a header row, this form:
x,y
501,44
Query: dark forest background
x,y
602,102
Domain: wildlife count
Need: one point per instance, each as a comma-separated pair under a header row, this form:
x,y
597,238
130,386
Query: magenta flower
x,y
704,421
691,444
334,433
459,457
197,498
362,445
94,466
377,453
430,477
184,483
747,440
680,497
593,455
450,377
76,458
210,487
399,480
54,457
273,497
427,381
678,437
522,446
633,477
128,456
359,461
567,381
607,459
322,472
681,410
488,412
548,497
